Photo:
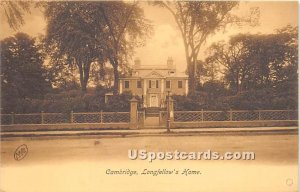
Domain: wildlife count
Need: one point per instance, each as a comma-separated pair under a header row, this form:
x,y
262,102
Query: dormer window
x,y
171,73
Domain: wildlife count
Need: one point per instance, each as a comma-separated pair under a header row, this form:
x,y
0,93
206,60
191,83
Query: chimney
x,y
170,63
137,63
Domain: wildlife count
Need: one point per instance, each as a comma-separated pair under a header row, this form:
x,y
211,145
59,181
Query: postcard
x,y
149,96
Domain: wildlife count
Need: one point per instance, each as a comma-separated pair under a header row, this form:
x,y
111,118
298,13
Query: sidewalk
x,y
154,132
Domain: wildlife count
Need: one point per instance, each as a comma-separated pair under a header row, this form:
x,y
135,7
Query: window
x,y
179,84
153,83
139,84
168,84
126,84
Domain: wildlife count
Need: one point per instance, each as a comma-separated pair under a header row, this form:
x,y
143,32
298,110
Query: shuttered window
x,y
126,84
139,84
180,84
168,84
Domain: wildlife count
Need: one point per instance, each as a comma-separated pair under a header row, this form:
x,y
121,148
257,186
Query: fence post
x,y
171,107
133,113
42,117
230,115
71,117
202,115
12,118
101,116
259,115
170,112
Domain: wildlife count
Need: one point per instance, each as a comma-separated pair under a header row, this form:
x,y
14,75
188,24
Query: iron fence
x,y
257,115
7,119
124,117
59,118
116,117
55,118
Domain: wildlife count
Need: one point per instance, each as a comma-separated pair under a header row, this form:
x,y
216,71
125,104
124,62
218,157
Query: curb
x,y
149,133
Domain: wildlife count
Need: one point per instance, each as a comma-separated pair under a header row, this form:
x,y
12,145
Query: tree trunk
x,y
86,76
84,71
237,83
83,87
191,72
114,62
81,75
116,81
192,84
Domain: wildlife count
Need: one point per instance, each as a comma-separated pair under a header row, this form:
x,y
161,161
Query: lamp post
x,y
168,113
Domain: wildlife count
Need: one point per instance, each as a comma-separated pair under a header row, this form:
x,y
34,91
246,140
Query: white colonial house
x,y
154,82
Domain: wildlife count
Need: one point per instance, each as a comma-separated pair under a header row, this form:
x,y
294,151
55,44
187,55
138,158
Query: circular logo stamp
x,y
21,152
289,182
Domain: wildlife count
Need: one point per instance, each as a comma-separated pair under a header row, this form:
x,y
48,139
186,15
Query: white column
x,y
162,86
121,87
145,92
145,87
186,87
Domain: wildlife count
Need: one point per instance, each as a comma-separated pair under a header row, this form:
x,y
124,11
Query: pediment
x,y
154,74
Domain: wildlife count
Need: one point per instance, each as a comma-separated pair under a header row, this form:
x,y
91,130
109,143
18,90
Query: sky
x,y
166,40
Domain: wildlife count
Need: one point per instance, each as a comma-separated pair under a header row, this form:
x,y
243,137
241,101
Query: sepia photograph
x,y
149,96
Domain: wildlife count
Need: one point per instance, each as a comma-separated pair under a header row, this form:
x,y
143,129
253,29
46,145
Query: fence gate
x,y
152,118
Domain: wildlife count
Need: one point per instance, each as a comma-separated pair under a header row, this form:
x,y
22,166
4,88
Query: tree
x,y
270,55
71,36
261,63
206,71
231,58
127,28
86,33
23,75
14,12
197,21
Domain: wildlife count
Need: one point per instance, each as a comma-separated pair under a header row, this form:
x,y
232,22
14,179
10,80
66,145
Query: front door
x,y
153,101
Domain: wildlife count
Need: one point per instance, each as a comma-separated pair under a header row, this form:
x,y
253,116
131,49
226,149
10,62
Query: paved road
x,y
153,132
80,164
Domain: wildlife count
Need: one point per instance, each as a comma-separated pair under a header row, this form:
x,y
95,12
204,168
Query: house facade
x,y
154,83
